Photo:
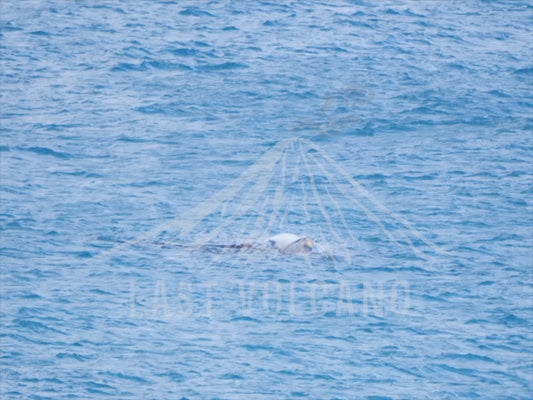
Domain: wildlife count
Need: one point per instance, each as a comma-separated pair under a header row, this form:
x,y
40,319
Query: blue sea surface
x,y
138,138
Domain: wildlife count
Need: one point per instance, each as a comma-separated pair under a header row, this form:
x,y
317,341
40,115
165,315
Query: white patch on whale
x,y
289,243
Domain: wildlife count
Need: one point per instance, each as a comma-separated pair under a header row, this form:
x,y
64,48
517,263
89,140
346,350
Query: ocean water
x,y
139,137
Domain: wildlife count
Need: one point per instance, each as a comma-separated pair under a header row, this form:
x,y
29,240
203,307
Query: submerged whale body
x,y
288,243
284,243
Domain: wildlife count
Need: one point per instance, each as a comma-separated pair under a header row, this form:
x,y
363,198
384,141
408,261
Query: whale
x,y
289,243
284,243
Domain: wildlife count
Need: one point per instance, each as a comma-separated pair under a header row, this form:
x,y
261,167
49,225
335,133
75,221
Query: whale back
x,y
288,243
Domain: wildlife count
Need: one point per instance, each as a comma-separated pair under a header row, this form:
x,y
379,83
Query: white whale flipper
x,y
288,243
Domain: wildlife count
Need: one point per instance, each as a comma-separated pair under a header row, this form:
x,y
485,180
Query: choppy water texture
x,y
396,134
